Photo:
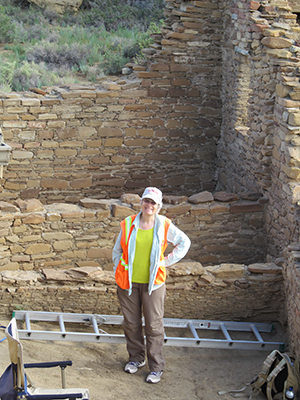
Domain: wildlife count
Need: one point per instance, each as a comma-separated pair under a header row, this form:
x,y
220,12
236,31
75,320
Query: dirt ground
x,y
190,373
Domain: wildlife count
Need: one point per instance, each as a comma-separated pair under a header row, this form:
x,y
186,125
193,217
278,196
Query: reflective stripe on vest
x,y
126,226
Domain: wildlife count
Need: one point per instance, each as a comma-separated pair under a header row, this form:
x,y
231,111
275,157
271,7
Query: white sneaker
x,y
154,377
133,366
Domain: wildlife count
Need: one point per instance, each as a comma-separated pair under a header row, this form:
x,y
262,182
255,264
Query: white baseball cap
x,y
154,194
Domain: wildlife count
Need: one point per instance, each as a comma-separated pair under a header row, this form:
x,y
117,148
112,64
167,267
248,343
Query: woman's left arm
x,y
181,243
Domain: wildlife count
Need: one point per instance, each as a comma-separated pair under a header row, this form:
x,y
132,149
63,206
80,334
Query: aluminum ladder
x,y
89,330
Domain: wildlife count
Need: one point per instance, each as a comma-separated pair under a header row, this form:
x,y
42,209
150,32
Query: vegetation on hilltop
x,y
41,48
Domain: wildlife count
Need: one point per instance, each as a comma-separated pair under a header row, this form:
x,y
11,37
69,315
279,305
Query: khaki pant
x,y
152,307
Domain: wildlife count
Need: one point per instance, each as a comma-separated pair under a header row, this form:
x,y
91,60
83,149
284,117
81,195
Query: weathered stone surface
x,y
174,199
94,203
177,209
56,275
29,205
227,270
62,208
38,248
225,197
121,211
34,219
7,207
207,278
21,276
267,268
294,118
246,206
130,198
276,42
202,197
186,268
250,196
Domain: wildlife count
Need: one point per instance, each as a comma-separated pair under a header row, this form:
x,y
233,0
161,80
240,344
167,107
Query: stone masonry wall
x,y
261,125
223,292
158,127
265,60
57,257
223,229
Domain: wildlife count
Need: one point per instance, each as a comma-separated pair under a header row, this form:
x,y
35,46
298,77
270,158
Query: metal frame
x,y
192,326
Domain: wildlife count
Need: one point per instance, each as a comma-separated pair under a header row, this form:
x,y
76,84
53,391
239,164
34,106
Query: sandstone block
x,y
282,90
86,131
98,252
179,209
34,219
54,183
14,124
207,278
276,42
63,245
94,203
227,270
294,118
184,268
47,116
38,248
130,198
113,142
49,236
121,211
110,132
201,197
267,268
175,199
279,53
9,266
22,276
246,207
30,205
22,155
225,197
81,183
7,207
219,208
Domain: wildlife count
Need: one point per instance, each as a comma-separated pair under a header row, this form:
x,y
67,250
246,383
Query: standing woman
x,y
140,273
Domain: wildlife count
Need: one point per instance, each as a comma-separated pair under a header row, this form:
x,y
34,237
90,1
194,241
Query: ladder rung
x,y
257,334
95,326
61,324
193,330
225,332
27,321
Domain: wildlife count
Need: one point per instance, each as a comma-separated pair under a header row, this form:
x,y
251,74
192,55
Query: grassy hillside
x,y
41,48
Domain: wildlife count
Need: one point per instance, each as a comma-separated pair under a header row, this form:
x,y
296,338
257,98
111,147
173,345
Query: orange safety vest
x,y
121,274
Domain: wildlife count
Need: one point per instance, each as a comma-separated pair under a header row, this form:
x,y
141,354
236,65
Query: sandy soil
x,y
190,373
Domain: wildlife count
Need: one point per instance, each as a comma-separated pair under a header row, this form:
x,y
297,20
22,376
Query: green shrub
x,y
114,62
6,74
57,56
29,75
7,27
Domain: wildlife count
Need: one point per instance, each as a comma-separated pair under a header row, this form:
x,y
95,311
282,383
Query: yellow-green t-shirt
x,y
141,263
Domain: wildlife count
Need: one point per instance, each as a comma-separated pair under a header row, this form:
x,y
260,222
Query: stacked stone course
x,y
223,228
220,292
